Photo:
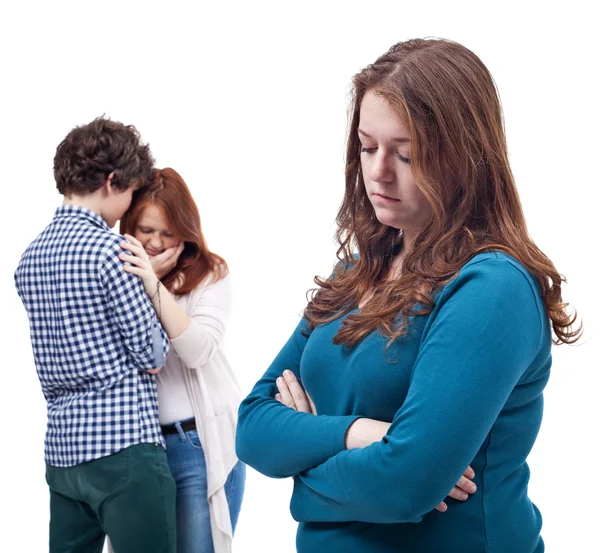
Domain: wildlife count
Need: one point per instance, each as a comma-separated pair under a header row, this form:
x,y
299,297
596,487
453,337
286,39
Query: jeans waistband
x,y
179,427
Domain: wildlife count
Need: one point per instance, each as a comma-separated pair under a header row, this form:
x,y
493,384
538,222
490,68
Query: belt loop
x,y
180,431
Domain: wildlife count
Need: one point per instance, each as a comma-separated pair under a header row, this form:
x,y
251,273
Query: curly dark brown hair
x,y
89,153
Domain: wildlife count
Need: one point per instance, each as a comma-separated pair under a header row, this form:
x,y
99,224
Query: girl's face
x,y
153,231
385,159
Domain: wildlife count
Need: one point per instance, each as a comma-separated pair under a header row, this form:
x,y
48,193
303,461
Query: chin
x,y
388,220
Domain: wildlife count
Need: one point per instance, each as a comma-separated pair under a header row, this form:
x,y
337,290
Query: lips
x,y
152,252
383,197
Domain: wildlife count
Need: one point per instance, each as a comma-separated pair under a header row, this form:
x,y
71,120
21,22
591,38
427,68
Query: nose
x,y
155,241
381,168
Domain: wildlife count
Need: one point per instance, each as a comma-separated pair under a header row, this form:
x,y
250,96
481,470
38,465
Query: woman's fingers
x,y
313,409
132,259
133,240
458,494
285,394
297,392
133,270
466,485
132,264
164,262
292,394
169,255
136,250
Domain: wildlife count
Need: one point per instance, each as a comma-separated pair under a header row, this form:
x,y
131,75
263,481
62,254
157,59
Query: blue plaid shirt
x,y
94,335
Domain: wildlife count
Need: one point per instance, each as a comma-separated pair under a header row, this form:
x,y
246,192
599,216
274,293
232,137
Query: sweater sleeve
x,y
486,331
209,315
279,441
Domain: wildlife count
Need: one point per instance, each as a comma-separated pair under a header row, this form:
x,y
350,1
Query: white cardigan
x,y
214,393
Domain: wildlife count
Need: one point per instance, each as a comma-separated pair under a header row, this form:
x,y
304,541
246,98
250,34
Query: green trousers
x,y
129,496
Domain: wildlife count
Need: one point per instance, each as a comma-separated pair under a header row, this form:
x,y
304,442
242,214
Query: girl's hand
x,y
138,263
463,489
364,432
165,262
292,394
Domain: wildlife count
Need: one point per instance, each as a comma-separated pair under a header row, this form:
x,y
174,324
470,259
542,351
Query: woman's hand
x,y
364,431
165,262
463,489
138,263
292,394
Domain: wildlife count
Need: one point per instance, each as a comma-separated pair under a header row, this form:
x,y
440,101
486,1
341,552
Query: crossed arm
x,y
276,440
485,334
362,432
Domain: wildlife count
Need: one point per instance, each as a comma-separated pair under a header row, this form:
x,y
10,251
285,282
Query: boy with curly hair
x,y
97,344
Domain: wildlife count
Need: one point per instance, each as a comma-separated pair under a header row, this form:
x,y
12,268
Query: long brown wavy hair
x,y
169,192
448,101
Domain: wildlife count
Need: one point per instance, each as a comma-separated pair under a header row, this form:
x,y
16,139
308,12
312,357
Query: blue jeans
x,y
186,461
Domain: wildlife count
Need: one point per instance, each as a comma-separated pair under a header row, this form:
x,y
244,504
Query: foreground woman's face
x,y
385,160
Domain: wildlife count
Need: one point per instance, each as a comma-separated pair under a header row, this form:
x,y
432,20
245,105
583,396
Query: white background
x,y
247,101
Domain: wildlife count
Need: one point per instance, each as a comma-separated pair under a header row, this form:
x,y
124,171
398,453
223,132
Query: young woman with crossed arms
x,y
428,348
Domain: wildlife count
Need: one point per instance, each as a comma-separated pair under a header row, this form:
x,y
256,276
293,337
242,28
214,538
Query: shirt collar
x,y
81,213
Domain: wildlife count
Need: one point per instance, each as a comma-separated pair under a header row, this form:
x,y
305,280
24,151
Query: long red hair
x,y
169,192
448,100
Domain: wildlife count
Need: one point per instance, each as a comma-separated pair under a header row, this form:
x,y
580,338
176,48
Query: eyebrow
x,y
402,140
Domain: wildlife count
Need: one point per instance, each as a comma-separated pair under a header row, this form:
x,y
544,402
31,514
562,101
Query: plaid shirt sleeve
x,y
131,311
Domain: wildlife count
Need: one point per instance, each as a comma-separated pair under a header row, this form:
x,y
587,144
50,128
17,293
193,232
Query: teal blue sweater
x,y
464,388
